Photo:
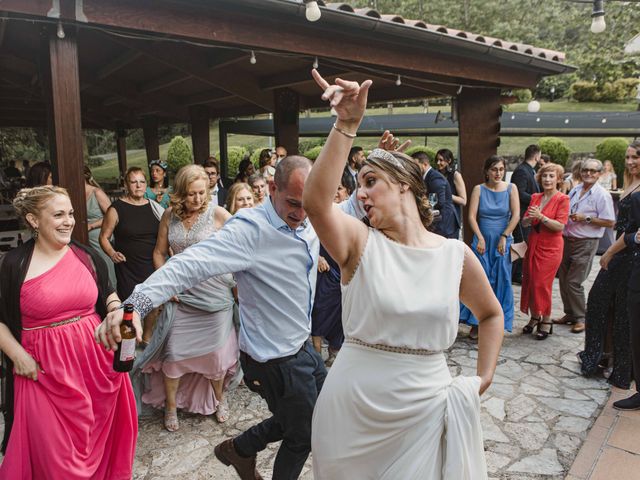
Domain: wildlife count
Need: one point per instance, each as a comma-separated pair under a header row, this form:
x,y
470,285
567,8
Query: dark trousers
x,y
290,387
633,309
609,292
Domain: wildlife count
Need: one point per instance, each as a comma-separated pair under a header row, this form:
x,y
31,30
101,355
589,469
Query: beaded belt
x,y
389,348
55,324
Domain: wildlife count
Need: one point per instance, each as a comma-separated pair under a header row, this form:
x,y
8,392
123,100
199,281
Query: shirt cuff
x,y
141,303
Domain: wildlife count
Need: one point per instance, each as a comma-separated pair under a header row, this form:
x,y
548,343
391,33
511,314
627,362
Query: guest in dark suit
x,y
448,225
218,193
524,177
632,241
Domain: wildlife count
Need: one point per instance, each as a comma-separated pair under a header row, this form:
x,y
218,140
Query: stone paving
x,y
535,416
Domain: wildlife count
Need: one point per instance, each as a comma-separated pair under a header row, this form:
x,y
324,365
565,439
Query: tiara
x,y
380,154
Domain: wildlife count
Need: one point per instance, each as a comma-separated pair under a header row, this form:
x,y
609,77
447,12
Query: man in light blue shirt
x,y
273,252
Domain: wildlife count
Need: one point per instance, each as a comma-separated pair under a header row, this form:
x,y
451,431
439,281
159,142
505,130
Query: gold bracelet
x,y
343,132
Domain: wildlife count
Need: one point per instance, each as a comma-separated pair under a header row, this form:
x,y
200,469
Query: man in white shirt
x,y
591,211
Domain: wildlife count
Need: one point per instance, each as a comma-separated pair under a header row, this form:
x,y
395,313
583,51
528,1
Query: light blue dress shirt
x,y
275,268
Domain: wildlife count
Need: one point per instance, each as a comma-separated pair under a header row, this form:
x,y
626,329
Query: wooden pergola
x,y
66,65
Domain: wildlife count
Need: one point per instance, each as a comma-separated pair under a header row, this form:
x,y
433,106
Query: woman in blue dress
x,y
493,214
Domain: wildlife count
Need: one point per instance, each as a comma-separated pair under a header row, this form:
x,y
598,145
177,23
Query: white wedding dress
x,y
396,413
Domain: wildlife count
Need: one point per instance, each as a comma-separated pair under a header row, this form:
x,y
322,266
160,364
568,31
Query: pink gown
x,y
78,420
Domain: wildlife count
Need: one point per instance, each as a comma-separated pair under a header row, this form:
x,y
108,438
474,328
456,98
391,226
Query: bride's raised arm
x,y
342,235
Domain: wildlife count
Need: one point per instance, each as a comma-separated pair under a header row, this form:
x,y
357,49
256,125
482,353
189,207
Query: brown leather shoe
x,y
578,327
245,466
566,320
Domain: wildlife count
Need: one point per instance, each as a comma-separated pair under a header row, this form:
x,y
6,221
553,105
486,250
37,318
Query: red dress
x,y
78,420
544,254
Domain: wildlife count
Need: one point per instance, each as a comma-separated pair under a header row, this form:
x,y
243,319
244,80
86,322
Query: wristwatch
x,y
588,219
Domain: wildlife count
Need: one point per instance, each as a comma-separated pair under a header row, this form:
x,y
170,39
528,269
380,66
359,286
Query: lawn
x,y
509,145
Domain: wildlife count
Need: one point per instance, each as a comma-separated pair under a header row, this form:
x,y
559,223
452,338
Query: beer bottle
x,y
125,354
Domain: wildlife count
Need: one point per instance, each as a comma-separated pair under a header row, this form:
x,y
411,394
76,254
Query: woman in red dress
x,y
547,215
69,415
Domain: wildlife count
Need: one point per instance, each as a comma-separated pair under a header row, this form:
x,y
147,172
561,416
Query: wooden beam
x,y
67,129
116,64
151,142
191,63
165,80
479,137
199,117
286,119
208,96
292,78
246,30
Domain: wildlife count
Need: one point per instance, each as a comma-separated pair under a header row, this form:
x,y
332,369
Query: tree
x,y
179,154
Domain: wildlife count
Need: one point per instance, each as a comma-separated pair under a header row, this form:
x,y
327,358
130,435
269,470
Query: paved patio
x,y
536,415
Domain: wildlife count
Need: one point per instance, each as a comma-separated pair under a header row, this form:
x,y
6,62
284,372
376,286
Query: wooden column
x,y
479,137
151,142
285,119
121,149
199,117
66,137
224,157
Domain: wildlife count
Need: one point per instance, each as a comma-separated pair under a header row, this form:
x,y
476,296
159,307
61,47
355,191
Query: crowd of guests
x,y
194,256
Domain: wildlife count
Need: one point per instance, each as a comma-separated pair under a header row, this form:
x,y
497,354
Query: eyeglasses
x,y
212,174
590,170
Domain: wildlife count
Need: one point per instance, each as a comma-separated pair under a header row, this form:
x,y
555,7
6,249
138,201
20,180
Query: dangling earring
x,y
36,233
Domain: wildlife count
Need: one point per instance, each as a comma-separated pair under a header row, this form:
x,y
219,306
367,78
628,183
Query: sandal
x,y
222,412
473,333
533,323
542,334
171,420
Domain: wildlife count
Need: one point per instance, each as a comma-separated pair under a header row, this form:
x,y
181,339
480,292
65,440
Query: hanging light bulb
x,y
60,31
253,60
604,120
315,62
513,117
538,119
533,106
566,120
312,12
398,81
598,25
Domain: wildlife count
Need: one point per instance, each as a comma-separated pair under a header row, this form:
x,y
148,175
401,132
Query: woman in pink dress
x,y
68,414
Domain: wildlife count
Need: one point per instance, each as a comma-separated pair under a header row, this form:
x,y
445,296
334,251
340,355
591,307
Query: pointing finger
x,y
322,83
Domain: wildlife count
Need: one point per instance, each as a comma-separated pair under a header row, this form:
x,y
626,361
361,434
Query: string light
x,y
566,120
253,60
513,117
598,25
398,81
60,31
538,119
312,11
315,62
533,106
604,120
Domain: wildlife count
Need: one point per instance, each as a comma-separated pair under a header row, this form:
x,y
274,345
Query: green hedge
x,y
95,161
613,149
313,153
617,91
431,153
235,156
556,148
179,154
523,95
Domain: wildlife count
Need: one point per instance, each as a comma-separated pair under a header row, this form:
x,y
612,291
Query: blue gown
x,y
494,213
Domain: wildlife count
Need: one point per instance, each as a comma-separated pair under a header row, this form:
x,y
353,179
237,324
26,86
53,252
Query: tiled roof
x,y
483,39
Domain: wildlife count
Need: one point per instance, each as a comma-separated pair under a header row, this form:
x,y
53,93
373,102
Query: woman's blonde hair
x,y
627,177
31,201
234,190
552,167
185,177
402,169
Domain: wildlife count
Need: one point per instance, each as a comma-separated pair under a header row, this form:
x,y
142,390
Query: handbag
x,y
518,250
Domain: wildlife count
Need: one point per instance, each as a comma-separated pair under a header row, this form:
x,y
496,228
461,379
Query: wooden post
x,y
224,155
199,117
479,137
285,119
121,148
66,125
151,142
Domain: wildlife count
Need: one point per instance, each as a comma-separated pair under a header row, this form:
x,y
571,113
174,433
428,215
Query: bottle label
x,y
127,350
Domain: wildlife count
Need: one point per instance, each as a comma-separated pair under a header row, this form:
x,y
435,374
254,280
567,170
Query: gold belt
x,y
55,324
389,348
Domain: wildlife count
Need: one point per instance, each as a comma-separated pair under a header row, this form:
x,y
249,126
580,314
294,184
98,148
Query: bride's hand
x,y
348,99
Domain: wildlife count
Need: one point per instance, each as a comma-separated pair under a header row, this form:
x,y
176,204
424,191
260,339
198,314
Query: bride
x,y
389,408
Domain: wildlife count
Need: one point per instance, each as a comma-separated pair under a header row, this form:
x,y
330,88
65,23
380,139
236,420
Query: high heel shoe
x,y
533,323
542,334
